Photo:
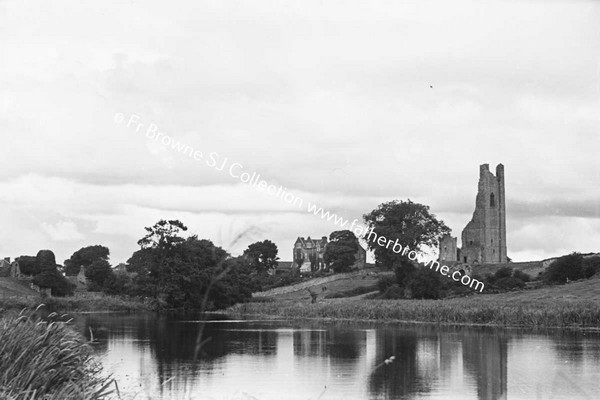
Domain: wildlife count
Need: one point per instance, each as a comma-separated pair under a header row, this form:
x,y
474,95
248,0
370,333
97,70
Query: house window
x,y
465,259
492,200
470,242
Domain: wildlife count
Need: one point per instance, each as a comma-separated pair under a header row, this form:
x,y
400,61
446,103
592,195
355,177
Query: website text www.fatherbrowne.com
x,y
237,171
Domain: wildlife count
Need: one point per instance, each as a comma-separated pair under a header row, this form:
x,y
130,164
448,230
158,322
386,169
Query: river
x,y
153,357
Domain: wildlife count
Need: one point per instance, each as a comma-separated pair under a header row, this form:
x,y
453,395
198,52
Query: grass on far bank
x,y
76,304
472,310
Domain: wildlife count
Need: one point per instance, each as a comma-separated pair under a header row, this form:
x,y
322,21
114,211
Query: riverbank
x,y
475,310
75,304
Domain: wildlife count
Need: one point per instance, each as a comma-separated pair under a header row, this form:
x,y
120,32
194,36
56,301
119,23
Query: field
x,y
575,305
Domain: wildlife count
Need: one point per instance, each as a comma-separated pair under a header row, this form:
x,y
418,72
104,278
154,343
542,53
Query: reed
x,y
49,361
466,311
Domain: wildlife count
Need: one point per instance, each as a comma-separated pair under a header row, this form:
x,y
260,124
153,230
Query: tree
x,y
425,284
163,235
410,223
49,277
97,273
187,272
262,256
340,253
85,257
28,265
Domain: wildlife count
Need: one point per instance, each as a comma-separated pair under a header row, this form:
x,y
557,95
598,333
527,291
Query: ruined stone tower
x,y
484,237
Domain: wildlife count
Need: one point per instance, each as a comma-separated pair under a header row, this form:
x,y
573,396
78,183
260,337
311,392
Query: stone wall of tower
x,y
484,237
448,249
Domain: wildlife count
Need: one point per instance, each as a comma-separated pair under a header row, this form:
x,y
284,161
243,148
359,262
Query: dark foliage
x,y
385,282
262,256
188,273
29,265
404,270
411,223
591,266
504,272
425,284
58,284
97,273
340,253
393,292
509,283
85,257
569,267
521,275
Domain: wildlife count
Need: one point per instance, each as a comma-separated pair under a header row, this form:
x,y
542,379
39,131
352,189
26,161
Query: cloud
x,y
63,231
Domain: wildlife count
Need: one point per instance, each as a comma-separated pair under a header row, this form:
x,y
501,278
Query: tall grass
x,y
49,361
539,314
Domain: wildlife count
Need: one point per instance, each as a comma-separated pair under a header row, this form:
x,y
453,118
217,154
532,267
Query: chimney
x,y
324,239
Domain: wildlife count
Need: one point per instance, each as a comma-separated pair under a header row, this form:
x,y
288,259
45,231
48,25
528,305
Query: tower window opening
x,y
492,200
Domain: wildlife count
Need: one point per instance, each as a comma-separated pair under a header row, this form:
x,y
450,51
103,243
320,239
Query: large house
x,y
308,255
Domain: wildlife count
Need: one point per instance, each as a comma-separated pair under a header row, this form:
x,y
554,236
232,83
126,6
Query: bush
x,y
565,268
521,275
404,271
504,272
28,265
58,284
393,292
48,361
385,282
425,284
97,273
591,266
509,283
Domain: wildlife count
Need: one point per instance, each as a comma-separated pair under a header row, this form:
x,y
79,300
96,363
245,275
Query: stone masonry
x,y
484,237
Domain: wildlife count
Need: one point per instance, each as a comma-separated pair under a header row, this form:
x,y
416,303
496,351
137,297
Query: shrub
x,y
504,272
591,266
58,284
46,260
565,268
425,284
393,292
97,273
509,283
47,360
385,282
404,271
29,265
521,275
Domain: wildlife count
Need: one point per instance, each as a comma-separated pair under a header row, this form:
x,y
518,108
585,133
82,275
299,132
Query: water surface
x,y
153,357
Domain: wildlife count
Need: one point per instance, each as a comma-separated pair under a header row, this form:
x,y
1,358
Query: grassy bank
x,y
475,310
76,304
48,360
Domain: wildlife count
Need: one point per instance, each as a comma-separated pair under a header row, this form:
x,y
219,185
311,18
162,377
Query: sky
x,y
347,104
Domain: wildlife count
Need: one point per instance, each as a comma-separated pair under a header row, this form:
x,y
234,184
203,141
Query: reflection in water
x,y
153,357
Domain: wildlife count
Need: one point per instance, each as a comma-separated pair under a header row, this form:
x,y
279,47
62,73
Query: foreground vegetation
x,y
48,360
475,310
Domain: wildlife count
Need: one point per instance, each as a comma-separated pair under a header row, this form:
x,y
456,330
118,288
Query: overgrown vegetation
x,y
471,310
571,267
47,360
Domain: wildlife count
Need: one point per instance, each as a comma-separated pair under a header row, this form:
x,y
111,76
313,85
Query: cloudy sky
x,y
346,103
